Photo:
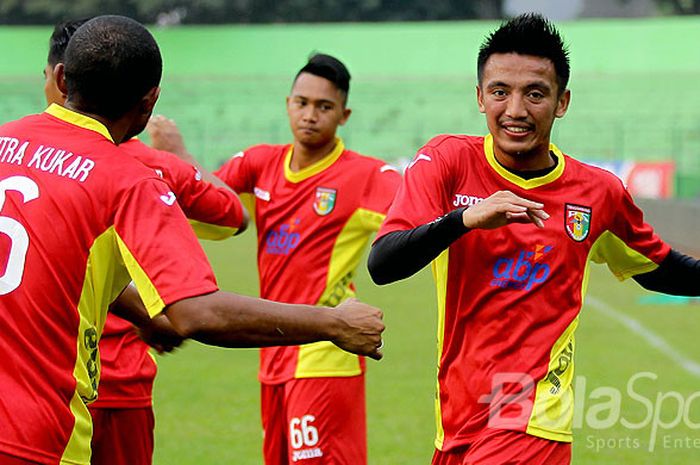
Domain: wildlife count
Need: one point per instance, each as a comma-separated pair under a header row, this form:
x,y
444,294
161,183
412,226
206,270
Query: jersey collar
x,y
77,119
322,164
517,180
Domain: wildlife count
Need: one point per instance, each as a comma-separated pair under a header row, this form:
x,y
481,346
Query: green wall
x,y
634,85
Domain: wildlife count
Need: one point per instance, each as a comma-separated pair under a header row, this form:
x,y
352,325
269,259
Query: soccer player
x,y
80,218
122,415
316,206
511,224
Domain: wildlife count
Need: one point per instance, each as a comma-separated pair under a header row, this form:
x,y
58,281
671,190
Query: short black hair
x,y
111,62
60,37
330,68
528,34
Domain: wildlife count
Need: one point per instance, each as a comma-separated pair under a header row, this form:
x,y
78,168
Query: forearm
x,y
231,320
677,274
401,254
129,306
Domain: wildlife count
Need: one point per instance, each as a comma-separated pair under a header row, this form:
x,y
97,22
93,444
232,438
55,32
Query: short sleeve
x,y
158,248
421,196
237,173
630,246
379,193
215,212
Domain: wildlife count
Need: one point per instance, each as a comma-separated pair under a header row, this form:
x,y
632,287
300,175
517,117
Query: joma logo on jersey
x,y
523,271
283,240
462,200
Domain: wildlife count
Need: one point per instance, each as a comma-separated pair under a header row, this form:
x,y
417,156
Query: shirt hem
x,y
24,453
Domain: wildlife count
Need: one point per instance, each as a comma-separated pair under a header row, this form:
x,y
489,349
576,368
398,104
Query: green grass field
x,y
206,399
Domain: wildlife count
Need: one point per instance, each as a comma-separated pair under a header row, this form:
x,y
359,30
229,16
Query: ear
x,y
563,104
480,99
346,115
59,77
148,102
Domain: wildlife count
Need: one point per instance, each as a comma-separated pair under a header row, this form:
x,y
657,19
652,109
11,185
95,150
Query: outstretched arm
x,y
401,254
232,320
677,274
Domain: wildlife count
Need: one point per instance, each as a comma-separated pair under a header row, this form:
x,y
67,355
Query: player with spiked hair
x,y
510,267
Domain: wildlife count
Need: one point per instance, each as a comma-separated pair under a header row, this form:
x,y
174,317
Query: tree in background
x,y
273,11
250,11
681,7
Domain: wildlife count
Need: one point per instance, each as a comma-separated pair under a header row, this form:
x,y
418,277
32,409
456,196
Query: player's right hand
x,y
166,136
502,208
361,332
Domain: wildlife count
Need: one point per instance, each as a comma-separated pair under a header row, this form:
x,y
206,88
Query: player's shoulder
x,y
368,163
455,142
597,175
25,121
152,157
451,150
265,150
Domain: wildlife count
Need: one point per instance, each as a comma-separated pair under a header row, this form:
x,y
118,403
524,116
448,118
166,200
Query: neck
x,y
531,161
304,155
118,129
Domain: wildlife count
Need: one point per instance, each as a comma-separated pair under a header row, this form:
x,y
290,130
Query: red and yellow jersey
x,y
509,298
313,226
215,213
79,220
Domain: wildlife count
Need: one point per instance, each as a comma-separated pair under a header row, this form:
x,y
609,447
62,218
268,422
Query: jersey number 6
x,y
15,231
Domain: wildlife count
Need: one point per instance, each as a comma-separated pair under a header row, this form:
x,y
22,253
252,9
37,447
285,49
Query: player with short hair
x,y
316,206
123,420
81,218
511,224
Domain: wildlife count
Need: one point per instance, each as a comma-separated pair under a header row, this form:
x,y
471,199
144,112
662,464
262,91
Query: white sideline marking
x,y
656,341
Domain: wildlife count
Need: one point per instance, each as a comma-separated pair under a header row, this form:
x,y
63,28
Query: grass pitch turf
x,y
206,399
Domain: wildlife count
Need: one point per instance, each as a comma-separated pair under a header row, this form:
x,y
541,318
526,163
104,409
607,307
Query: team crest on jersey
x,y
577,221
324,203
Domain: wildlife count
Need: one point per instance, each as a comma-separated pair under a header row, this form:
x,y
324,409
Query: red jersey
x,y
313,226
509,298
128,369
79,220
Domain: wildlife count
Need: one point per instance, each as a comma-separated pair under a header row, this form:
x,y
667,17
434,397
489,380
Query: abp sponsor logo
x,y
282,240
522,271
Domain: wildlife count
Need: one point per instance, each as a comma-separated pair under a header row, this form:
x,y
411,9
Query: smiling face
x,y
316,107
520,97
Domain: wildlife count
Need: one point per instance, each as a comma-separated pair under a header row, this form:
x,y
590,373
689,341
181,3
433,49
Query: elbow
x,y
245,221
188,318
375,266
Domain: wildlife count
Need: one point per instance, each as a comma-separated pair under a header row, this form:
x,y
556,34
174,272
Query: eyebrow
x,y
532,85
314,100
